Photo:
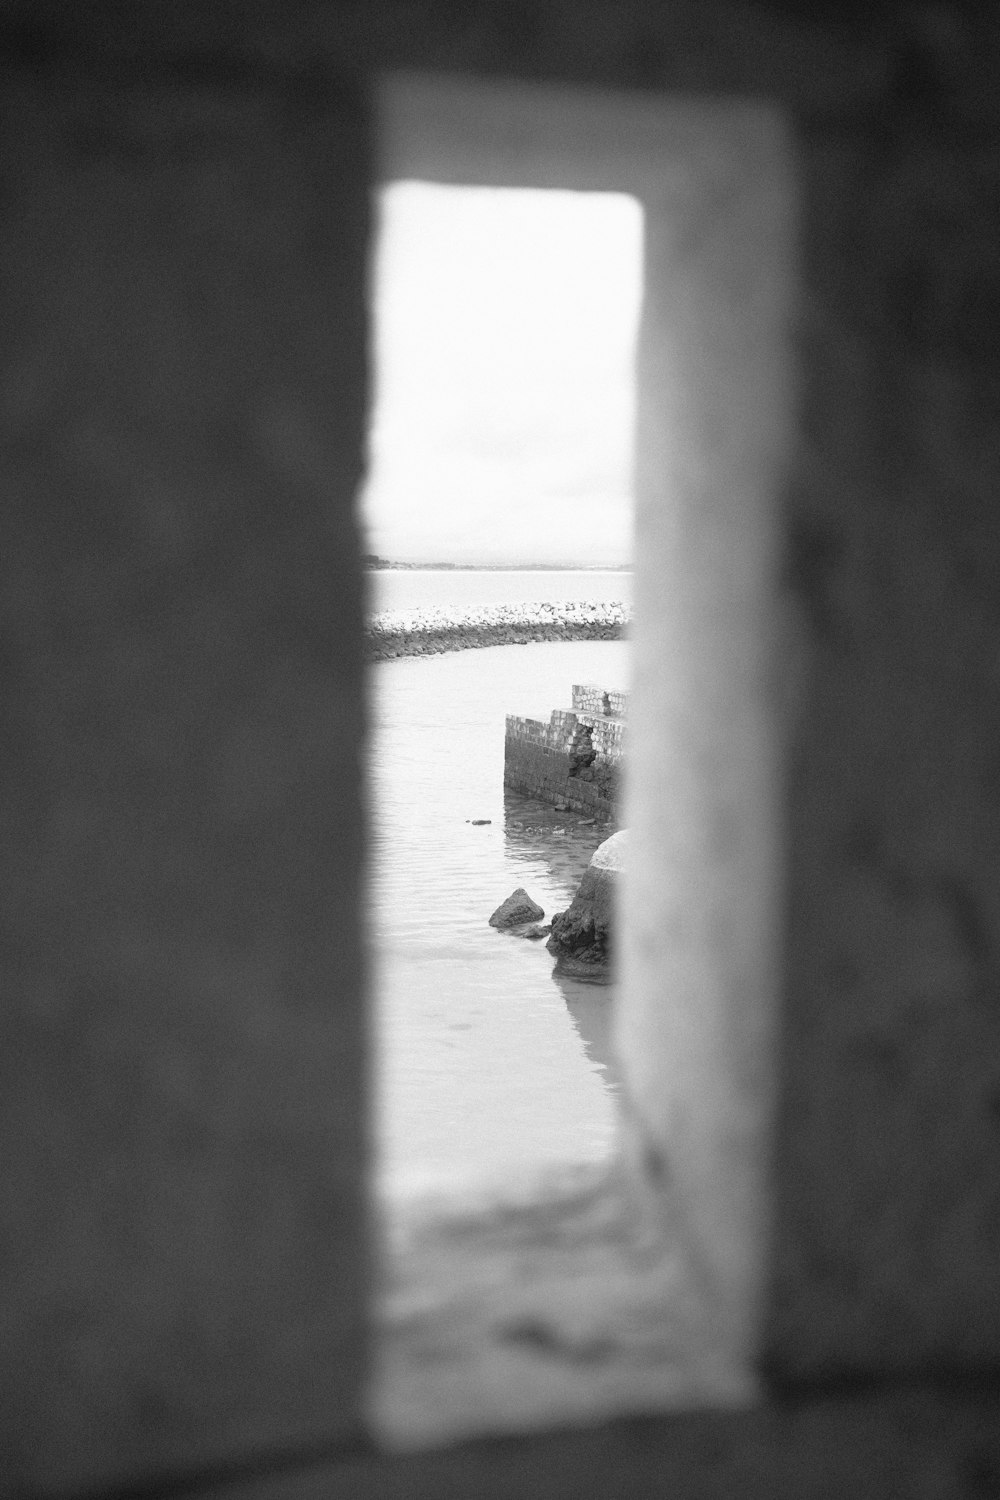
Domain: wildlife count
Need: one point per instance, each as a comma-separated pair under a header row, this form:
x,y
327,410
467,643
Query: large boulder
x,y
517,909
581,937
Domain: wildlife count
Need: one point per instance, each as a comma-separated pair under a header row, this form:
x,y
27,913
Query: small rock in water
x,y
535,931
516,910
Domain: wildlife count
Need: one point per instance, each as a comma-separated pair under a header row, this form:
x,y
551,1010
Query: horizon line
x,y
382,564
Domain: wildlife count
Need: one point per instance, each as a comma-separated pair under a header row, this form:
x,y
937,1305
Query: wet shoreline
x,y
427,632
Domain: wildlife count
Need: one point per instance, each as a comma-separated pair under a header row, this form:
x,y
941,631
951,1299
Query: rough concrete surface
x,y
183,389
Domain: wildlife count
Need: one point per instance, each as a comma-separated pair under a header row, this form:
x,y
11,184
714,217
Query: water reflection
x,y
566,843
591,1008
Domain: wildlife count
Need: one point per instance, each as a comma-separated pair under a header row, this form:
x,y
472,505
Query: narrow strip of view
x,y
498,516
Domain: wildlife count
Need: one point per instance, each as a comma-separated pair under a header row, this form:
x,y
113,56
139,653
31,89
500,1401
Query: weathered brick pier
x,y
576,757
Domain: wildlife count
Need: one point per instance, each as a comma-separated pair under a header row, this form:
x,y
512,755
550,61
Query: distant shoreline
x,y
443,567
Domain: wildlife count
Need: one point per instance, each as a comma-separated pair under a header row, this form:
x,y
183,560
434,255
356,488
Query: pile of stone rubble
x,y
427,632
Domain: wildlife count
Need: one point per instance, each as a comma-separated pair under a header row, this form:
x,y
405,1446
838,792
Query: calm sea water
x,y
488,1067
419,588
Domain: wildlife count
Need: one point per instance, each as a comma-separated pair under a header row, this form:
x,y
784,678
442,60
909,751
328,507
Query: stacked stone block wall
x,y
587,698
575,758
607,735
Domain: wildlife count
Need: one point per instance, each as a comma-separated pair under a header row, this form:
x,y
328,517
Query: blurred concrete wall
x,y
182,387
183,400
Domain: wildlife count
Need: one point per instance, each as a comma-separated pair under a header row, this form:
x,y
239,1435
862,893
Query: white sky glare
x,y
503,407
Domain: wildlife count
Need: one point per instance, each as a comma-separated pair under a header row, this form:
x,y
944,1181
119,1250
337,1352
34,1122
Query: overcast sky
x,y
505,326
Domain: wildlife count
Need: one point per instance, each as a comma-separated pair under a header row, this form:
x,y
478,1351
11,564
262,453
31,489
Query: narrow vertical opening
x,y
641,1288
498,505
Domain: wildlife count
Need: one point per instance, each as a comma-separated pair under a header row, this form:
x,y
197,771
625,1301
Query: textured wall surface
x,y
888,1173
701,943
917,1444
181,389
182,1042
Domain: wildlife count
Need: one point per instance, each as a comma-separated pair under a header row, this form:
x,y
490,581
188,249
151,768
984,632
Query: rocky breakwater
x,y
581,936
428,632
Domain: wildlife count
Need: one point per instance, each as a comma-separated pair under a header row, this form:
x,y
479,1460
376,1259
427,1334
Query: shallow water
x,y
488,1067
